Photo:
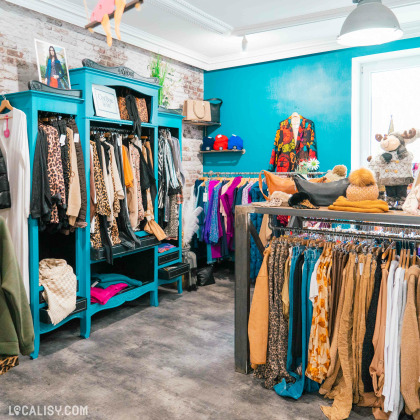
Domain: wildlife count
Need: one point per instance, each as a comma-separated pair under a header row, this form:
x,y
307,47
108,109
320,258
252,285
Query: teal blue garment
x,y
303,383
106,280
297,250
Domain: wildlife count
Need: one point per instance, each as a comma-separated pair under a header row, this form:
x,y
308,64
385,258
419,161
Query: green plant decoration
x,y
162,72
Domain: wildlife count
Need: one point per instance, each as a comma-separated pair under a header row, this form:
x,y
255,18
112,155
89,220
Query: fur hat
x,y
337,173
362,186
301,200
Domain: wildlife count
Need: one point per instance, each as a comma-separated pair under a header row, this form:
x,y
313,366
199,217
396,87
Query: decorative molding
x,y
120,70
193,14
68,12
338,13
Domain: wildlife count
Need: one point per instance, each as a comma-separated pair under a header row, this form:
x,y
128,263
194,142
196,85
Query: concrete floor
x,y
171,362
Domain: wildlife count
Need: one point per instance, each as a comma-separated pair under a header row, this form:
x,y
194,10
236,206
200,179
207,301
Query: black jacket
x,y
5,201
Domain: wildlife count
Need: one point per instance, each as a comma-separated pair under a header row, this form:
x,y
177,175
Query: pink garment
x,y
102,296
104,7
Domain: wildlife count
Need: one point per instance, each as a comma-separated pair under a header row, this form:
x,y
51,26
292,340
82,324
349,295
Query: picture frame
x,y
52,64
105,101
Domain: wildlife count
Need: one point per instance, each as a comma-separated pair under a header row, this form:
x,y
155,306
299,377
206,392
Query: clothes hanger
x,y
5,104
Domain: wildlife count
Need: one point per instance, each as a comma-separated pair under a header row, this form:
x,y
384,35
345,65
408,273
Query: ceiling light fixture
x,y
371,23
244,44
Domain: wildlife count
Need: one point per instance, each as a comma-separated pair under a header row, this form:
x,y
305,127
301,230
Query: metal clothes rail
x,y
216,173
244,229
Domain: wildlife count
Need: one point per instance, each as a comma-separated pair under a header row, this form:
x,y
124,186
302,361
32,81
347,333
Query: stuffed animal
x,y
393,168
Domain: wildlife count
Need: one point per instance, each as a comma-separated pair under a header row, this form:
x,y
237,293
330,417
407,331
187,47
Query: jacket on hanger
x,y
288,151
16,332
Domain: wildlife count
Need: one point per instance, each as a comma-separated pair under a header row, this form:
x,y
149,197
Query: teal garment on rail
x,y
106,280
302,383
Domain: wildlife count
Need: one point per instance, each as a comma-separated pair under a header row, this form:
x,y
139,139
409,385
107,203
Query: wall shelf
x,y
202,123
242,152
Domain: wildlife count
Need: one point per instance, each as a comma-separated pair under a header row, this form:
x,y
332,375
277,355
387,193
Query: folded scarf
x,y
60,284
366,206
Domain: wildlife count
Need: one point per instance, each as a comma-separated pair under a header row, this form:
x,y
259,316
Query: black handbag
x,y
205,276
215,109
322,195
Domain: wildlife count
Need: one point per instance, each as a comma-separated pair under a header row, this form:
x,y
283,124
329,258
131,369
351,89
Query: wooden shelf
x,y
202,123
242,152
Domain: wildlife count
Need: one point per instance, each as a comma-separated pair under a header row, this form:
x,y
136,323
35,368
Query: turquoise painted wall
x,y
257,97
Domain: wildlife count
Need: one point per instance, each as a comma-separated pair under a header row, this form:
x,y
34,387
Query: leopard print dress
x,y
55,171
275,368
102,202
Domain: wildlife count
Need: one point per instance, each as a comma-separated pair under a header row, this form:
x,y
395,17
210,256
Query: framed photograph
x,y
106,103
52,64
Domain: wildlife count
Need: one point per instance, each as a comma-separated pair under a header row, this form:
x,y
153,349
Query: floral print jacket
x,y
288,151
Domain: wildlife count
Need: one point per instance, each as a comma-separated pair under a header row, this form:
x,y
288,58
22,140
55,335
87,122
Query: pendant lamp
x,y
371,23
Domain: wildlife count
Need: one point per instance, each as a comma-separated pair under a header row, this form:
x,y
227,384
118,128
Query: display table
x,y
244,229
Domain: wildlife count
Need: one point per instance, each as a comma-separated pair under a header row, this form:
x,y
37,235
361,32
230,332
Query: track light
x,y
371,23
244,44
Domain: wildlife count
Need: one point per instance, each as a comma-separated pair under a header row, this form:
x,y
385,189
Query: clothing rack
x,y
244,229
343,233
111,129
212,173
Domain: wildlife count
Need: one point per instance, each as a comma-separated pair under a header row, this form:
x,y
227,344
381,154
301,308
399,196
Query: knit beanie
x,y
235,143
208,143
221,142
362,186
337,173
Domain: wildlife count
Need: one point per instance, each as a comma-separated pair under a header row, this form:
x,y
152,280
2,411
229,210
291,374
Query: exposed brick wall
x,y
19,27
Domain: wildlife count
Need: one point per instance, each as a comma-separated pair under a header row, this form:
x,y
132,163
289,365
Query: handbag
x,y
277,183
142,108
205,276
197,110
123,108
215,109
322,194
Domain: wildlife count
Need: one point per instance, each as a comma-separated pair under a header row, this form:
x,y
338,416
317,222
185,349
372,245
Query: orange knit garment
x,y
128,170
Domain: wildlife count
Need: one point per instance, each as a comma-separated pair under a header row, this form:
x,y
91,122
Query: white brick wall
x,y
19,27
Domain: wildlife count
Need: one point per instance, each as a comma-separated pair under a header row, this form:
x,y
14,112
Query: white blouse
x,y
16,153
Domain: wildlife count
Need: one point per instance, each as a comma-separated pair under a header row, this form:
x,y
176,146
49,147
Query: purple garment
x,y
216,249
207,221
227,201
102,296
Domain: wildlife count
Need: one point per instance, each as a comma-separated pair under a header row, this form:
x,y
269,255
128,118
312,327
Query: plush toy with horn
x,y
393,167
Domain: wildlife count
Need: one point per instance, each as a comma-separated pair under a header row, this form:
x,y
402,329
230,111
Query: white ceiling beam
x,y
309,18
194,15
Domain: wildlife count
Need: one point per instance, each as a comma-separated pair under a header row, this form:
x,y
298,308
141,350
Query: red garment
x,y
102,296
288,151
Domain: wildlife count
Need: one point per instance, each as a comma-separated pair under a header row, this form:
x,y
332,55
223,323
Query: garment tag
x,y
205,197
62,140
76,138
361,265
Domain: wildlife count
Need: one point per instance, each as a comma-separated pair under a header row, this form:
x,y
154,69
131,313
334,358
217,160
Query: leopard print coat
x,y
55,171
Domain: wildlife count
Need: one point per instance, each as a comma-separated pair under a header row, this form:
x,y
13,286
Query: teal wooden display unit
x,y
83,79
172,121
144,259
32,103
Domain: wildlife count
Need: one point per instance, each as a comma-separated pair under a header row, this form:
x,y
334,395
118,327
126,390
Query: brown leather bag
x,y
277,183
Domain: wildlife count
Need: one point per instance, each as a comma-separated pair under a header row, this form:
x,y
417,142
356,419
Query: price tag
x,y
205,197
76,138
62,140
361,265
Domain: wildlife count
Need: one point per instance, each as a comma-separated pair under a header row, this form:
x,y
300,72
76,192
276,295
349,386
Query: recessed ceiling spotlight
x,y
244,44
371,23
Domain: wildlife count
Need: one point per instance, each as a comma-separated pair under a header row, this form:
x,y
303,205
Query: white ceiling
x,y
208,33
